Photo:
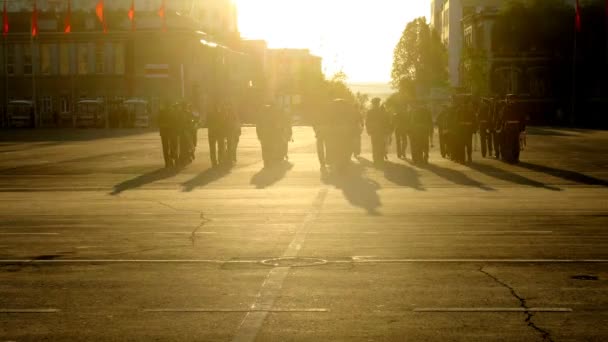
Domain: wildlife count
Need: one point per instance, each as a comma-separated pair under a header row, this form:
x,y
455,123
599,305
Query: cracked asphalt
x,y
99,243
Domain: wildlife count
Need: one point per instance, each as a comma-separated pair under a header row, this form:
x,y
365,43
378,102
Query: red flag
x,y
161,14
4,21
132,15
34,20
67,24
578,17
100,16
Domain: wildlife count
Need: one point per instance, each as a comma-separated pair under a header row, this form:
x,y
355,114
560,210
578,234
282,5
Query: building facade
x,y
154,59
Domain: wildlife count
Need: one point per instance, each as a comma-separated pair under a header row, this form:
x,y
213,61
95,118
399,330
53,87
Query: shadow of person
x,y
572,176
144,179
512,177
454,176
270,175
402,175
205,178
358,190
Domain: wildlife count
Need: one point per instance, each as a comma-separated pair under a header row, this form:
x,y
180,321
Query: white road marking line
x,y
494,261
355,260
127,261
44,234
271,288
29,310
194,310
491,232
497,309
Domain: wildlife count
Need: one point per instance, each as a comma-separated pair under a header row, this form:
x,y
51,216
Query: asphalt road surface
x,y
98,243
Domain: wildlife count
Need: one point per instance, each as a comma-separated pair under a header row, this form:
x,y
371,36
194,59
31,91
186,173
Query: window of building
x,y
99,58
46,104
83,59
119,58
45,59
64,104
64,59
27,59
10,60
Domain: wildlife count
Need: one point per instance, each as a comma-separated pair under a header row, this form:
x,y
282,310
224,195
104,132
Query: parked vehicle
x,y
137,113
91,114
20,113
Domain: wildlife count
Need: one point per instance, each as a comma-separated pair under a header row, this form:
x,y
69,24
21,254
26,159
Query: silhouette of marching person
x,y
274,132
467,127
343,129
444,131
186,128
321,127
233,133
168,129
216,123
378,127
420,126
401,122
484,118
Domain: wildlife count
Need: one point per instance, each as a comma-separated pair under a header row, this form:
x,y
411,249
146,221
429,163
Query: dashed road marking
x,y
497,309
29,311
271,288
32,234
196,310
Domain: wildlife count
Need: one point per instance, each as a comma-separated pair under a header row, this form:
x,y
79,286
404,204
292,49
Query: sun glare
x,y
354,36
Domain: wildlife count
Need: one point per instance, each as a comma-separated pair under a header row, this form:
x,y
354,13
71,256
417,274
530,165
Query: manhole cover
x,y
585,277
294,262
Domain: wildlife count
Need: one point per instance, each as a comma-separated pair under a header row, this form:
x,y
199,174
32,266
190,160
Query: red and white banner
x,y
157,70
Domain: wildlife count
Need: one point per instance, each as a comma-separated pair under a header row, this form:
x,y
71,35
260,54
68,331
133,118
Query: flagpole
x,y
33,56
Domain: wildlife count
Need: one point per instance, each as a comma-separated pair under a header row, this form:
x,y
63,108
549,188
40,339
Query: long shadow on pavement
x,y
511,177
359,190
270,175
402,175
572,176
454,176
144,179
205,178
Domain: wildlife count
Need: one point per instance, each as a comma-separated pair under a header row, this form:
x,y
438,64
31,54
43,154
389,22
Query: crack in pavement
x,y
546,335
204,221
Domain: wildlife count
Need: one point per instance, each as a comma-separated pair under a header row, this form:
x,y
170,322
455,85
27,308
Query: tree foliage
x,y
419,59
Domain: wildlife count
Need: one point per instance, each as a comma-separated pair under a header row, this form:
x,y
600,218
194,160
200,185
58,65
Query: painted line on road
x,y
186,310
493,310
492,232
29,311
271,288
28,234
366,260
355,260
127,261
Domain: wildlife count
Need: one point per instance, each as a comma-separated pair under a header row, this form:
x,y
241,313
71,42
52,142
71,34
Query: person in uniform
x,y
168,134
185,133
233,133
378,127
401,120
484,117
321,128
420,126
215,130
444,131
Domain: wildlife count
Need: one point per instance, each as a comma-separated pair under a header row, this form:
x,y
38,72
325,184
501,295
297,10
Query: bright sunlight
x,y
355,36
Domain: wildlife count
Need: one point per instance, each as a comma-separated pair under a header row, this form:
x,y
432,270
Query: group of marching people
x,y
338,130
501,125
178,125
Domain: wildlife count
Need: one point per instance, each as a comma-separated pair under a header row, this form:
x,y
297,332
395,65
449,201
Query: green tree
x,y
419,59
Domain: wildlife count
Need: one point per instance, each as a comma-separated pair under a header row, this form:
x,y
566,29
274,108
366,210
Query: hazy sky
x,y
356,36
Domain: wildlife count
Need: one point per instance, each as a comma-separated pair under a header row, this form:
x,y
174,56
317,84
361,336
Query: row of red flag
x,y
67,25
